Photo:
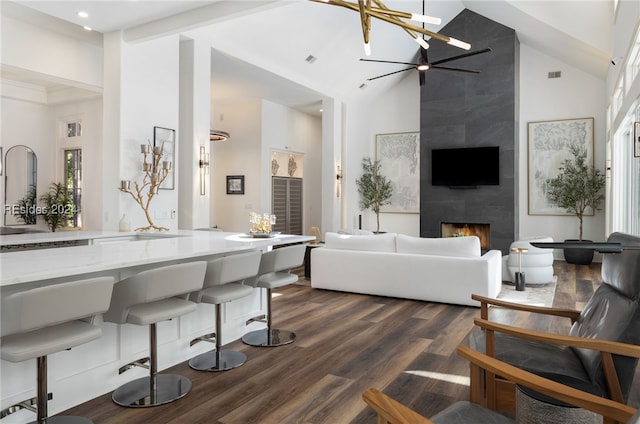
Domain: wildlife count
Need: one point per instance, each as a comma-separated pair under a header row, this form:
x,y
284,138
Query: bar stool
x,y
274,272
222,284
41,321
146,299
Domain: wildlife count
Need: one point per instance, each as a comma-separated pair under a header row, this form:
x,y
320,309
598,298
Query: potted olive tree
x,y
577,188
374,188
57,206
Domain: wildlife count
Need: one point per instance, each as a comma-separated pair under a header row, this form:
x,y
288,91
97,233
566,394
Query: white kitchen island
x,y
91,370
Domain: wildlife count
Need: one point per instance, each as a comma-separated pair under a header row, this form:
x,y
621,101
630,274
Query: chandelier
x,y
382,12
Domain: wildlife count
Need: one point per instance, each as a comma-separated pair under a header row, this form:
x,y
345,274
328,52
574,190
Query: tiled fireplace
x,y
457,229
460,110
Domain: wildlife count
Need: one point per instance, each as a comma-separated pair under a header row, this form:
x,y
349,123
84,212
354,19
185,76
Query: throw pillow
x,y
446,246
372,243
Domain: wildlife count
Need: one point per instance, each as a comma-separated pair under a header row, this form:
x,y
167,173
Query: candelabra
x,y
155,172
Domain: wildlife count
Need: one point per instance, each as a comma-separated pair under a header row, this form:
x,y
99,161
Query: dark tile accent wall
x,y
468,110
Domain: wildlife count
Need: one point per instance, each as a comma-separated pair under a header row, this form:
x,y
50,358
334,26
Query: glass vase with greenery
x,y
374,188
578,187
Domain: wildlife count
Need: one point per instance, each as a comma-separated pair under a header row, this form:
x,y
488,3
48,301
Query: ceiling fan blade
x,y
446,68
461,56
390,73
389,61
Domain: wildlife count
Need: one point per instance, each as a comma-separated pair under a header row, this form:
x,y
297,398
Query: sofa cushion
x,y
374,243
446,246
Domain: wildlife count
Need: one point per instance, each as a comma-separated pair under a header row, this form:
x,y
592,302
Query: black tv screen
x,y
467,166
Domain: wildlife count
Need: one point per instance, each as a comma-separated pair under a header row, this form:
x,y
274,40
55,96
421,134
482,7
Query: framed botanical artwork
x,y
636,140
549,143
166,138
399,156
235,184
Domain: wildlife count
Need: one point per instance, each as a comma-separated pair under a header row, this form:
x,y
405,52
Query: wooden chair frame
x,y
391,411
500,393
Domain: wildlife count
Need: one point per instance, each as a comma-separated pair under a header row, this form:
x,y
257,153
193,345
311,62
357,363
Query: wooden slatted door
x,y
286,204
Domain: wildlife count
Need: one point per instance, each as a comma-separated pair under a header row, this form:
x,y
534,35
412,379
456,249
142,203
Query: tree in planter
x,y
374,188
576,188
57,206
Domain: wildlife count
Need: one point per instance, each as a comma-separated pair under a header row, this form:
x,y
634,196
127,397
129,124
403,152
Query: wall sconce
x,y
203,164
338,179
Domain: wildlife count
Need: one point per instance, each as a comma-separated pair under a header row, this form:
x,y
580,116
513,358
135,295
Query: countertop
x,y
111,251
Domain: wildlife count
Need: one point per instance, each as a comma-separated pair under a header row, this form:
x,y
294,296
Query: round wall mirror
x,y
20,195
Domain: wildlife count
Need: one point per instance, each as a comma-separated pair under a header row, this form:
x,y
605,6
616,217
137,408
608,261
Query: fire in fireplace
x,y
459,229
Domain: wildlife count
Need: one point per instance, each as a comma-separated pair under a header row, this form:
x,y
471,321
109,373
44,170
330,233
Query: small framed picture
x,y
235,184
636,139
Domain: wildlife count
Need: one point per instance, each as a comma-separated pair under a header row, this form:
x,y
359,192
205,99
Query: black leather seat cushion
x,y
557,363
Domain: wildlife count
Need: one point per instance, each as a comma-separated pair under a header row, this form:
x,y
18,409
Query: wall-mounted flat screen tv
x,y
466,166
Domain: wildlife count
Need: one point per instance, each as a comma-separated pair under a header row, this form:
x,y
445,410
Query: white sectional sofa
x,y
446,270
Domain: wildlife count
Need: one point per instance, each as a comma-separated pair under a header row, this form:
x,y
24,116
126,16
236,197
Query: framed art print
x,y
549,147
235,184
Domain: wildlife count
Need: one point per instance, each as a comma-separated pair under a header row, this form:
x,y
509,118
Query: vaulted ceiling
x,y
260,47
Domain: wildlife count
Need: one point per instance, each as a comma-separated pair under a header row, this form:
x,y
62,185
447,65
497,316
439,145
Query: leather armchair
x,y
601,351
390,411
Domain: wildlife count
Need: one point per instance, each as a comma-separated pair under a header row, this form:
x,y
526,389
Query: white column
x,y
195,123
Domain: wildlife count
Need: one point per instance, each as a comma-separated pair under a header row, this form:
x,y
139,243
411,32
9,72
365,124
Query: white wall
x,y
148,98
38,134
257,127
240,155
395,111
287,129
575,95
51,53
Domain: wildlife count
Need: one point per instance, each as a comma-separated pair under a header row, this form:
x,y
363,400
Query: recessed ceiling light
x,y
310,59
87,28
83,14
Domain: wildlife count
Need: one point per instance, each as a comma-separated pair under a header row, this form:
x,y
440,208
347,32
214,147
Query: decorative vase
x,y
578,256
125,224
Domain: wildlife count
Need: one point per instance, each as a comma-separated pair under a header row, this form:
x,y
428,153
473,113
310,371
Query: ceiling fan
x,y
424,65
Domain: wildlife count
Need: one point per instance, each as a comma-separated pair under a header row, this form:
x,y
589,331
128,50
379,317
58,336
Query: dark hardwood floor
x,y
346,344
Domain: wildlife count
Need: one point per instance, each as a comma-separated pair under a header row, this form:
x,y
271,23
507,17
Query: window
x,y
73,182
633,64
74,129
625,184
618,97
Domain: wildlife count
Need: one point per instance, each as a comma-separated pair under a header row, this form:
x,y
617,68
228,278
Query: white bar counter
x,y
90,370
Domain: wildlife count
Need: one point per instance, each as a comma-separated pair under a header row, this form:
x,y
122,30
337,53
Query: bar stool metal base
x,y
138,393
62,419
269,338
218,360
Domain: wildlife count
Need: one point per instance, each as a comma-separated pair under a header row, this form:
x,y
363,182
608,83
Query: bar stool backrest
x,y
54,304
232,268
280,259
155,284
